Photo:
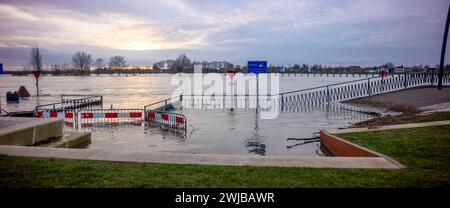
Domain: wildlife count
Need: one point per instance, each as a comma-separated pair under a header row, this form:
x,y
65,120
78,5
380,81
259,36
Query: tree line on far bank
x,y
82,64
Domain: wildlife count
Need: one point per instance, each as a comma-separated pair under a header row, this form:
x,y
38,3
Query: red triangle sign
x,y
231,73
36,74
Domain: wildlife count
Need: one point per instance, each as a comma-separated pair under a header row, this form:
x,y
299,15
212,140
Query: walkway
x,y
415,97
203,159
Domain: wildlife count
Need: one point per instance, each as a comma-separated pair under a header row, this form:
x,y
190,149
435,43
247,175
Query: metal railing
x,y
358,88
75,102
163,104
318,95
228,101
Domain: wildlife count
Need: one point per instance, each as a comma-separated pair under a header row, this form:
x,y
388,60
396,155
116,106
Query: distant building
x,y
355,68
399,69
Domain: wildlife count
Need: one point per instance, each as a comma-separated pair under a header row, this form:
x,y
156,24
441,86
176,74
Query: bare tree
x,y
117,61
36,58
390,65
182,63
81,61
99,63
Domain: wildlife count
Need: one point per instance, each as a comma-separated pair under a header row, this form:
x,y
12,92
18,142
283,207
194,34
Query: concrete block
x,y
28,131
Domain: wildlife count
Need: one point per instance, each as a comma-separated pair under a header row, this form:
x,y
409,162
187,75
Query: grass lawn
x,y
424,150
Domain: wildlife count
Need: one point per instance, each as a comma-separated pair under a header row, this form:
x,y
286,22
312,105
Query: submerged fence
x,y
79,110
358,88
91,118
171,120
72,102
316,95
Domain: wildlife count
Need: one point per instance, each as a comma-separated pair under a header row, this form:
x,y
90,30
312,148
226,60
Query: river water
x,y
211,131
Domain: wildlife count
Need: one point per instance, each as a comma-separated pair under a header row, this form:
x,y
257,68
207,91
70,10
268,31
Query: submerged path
x,y
414,97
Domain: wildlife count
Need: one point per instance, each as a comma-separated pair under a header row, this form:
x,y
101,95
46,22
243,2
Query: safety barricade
x,y
109,117
91,118
69,116
172,120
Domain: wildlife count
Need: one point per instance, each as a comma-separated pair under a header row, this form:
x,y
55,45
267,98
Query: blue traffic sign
x,y
257,67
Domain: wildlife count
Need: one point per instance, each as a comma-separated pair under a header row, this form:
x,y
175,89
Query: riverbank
x,y
415,105
404,118
424,151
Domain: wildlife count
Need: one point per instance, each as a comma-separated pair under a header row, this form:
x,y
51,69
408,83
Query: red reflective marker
x,y
39,114
53,114
111,115
135,115
179,120
68,115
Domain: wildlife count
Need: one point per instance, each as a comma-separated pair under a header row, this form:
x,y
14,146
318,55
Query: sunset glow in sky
x,y
332,32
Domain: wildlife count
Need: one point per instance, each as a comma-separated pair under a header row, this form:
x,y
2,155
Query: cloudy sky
x,y
332,32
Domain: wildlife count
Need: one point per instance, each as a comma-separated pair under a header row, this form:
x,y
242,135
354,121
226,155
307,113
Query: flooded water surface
x,y
209,131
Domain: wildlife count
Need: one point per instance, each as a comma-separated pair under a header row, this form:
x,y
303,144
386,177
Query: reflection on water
x,y
255,143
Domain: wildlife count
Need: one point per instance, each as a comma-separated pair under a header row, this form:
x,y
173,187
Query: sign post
x,y
231,73
257,67
36,75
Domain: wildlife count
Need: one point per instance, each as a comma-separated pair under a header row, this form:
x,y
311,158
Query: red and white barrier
x,y
172,120
87,117
111,115
54,114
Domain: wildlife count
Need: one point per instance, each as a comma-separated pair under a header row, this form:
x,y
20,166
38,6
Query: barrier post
x,y
328,95
405,84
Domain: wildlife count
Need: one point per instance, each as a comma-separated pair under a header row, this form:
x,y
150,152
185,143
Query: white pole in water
x,y
257,92
232,94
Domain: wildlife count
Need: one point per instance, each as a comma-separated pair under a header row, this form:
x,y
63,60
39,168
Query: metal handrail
x,y
165,102
330,93
330,85
84,96
62,102
352,81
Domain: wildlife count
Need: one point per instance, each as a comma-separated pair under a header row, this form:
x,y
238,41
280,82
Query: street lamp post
x,y
444,45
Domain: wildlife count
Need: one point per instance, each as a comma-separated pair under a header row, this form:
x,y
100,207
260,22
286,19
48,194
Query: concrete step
x,y
71,139
29,131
